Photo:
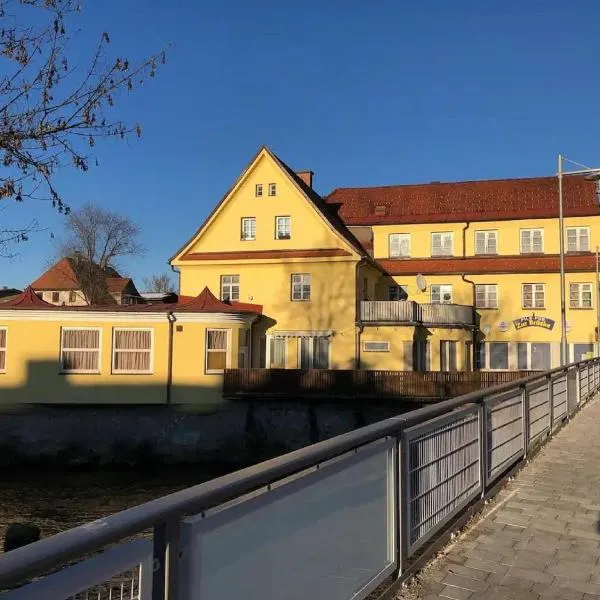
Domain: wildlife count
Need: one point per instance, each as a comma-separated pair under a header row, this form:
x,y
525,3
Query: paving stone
x,y
468,572
455,592
550,591
466,583
486,565
532,574
510,582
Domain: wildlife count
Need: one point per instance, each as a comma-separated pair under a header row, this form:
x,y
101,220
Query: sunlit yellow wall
x,y
308,229
508,236
33,369
332,305
392,360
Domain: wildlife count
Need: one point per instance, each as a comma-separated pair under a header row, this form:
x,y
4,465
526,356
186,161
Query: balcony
x,y
411,313
389,312
447,315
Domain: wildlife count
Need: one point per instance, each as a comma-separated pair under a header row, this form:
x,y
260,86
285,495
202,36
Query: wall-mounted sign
x,y
503,326
533,321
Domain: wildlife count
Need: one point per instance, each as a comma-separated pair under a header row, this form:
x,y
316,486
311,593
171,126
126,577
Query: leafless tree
x,y
52,110
161,282
100,236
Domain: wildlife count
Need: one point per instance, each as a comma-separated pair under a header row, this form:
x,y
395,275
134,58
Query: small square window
x,y
258,190
55,297
72,296
272,189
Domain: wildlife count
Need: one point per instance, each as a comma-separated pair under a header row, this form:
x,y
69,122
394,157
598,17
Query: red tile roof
x,y
60,276
27,299
491,264
263,254
206,301
488,200
116,285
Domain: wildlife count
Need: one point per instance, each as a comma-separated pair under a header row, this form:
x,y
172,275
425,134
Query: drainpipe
x,y
171,318
178,273
357,319
474,296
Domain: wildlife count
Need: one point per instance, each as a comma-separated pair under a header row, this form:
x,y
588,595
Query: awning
x,y
300,334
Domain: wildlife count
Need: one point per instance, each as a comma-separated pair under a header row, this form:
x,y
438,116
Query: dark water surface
x,y
59,500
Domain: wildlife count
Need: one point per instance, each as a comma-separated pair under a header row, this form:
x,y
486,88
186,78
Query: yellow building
x,y
449,276
441,276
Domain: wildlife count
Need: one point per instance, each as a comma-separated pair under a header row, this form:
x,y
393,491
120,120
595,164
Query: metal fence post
x,y
404,503
399,504
483,458
165,580
526,419
551,403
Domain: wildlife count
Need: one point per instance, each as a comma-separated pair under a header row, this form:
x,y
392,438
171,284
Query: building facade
x,y
441,276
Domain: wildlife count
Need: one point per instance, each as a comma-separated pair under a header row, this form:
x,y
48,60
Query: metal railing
x,y
447,314
410,313
337,519
384,311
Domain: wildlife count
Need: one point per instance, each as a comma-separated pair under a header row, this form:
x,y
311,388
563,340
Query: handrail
x,y
31,560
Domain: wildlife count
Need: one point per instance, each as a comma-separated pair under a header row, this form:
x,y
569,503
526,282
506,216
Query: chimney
x,y
306,176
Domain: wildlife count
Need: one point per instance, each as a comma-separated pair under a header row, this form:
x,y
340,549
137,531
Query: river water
x,y
59,500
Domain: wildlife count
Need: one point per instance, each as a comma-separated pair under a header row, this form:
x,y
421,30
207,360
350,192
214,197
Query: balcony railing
x,y
447,314
409,312
389,311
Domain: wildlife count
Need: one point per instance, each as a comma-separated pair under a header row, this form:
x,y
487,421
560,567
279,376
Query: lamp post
x,y
594,174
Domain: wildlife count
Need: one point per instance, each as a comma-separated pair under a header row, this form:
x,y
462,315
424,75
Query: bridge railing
x,y
339,519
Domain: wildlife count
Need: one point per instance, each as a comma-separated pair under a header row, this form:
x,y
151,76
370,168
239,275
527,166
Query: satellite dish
x,y
421,283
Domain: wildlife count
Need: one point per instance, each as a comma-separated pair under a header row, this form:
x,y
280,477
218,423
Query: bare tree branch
x,y
160,282
49,117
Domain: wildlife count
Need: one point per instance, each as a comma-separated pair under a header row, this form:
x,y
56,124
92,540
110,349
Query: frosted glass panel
x,y
326,535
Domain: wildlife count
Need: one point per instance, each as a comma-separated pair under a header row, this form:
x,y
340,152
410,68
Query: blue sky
x,y
363,93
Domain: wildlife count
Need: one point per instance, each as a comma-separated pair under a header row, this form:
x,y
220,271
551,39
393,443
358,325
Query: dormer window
x,y
258,190
380,211
272,189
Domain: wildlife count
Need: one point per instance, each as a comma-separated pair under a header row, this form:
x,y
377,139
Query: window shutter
x,y
394,245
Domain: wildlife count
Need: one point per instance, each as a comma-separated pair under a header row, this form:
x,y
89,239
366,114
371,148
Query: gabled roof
x,y
488,200
60,276
329,216
27,299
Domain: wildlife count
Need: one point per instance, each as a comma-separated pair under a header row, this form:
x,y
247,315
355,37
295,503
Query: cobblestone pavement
x,y
541,536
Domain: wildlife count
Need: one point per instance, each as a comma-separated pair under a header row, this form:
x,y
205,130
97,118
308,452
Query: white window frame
x,y
442,286
486,294
579,303
207,351
533,294
231,285
258,190
442,234
531,231
302,283
272,190
116,350
4,349
400,239
529,345
311,352
243,229
384,348
578,231
487,235
289,228
63,349
448,355
268,351
488,356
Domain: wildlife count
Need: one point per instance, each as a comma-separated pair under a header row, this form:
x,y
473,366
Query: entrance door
x,y
448,355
